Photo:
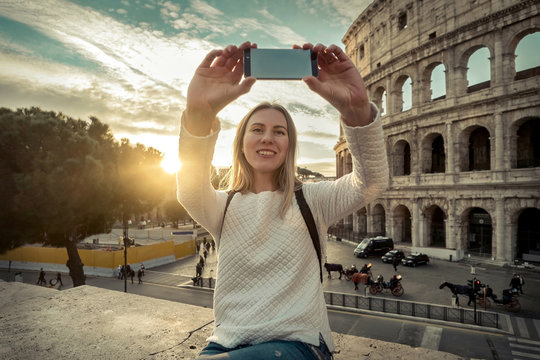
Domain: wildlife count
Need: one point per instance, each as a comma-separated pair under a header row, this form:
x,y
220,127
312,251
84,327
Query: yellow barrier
x,y
100,258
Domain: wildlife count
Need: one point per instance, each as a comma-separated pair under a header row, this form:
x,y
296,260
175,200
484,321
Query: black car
x,y
415,259
389,256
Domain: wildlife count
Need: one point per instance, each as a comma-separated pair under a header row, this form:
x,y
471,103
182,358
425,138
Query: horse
x,y
334,267
459,289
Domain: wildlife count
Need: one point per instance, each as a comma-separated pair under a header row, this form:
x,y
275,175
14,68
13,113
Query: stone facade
x,y
465,165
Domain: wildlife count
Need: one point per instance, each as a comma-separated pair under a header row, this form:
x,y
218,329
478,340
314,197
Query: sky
x,y
129,63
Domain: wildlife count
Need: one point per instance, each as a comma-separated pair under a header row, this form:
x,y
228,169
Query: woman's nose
x,y
267,137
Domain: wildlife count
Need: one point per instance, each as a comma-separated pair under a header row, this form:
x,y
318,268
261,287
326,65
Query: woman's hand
x,y
216,83
340,83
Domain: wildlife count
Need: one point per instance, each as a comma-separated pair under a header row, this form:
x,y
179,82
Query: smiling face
x,y
266,141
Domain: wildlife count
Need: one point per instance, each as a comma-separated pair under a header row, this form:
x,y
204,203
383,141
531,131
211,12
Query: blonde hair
x,y
240,176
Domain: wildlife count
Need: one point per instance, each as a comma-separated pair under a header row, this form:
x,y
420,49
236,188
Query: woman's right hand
x,y
216,83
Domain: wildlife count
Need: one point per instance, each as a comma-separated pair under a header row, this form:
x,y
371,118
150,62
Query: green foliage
x,y
174,211
64,179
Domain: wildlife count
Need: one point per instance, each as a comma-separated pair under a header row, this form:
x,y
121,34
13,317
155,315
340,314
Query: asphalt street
x,y
172,282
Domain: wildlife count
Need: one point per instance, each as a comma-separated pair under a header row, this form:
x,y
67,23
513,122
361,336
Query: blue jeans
x,y
271,350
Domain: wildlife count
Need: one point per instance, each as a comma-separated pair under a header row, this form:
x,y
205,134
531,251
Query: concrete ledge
x,y
93,323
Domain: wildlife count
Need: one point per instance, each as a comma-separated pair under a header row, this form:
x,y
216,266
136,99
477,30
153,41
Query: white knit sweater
x,y
267,281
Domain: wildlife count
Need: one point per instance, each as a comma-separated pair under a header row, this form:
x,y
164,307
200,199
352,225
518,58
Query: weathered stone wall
x,y
93,323
456,161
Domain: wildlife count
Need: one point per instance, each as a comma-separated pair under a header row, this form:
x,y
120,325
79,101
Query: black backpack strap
x,y
229,198
310,222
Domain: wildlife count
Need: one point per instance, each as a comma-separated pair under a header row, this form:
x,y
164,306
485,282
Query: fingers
x,y
306,46
226,55
246,85
314,84
209,58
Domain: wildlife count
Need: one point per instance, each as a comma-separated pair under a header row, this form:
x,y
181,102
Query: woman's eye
x,y
257,130
280,132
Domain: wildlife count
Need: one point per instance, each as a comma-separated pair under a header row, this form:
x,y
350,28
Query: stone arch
x,y
428,82
477,230
379,220
398,95
348,162
401,158
479,149
514,43
474,149
402,224
465,62
362,222
433,154
525,147
528,234
435,226
380,99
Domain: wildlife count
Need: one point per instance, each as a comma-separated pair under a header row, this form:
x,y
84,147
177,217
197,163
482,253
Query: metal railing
x,y
400,307
410,308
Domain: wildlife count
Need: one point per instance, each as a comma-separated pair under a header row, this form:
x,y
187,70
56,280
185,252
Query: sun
x,y
171,163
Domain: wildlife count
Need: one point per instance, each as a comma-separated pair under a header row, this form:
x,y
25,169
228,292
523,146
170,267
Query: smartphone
x,y
280,64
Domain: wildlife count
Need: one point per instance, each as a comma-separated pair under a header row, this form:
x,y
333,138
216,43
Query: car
x,y
415,259
389,256
379,245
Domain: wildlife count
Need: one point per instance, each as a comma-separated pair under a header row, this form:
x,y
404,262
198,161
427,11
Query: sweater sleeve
x,y
194,189
333,200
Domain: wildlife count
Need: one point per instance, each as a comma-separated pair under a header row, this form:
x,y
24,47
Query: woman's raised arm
x,y
216,83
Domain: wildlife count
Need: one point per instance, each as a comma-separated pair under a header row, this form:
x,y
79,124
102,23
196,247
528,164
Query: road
x,y
474,344
171,282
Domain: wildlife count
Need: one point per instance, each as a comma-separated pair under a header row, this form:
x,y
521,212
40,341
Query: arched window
x,y
406,93
479,150
479,70
528,56
437,155
380,100
438,83
528,144
402,158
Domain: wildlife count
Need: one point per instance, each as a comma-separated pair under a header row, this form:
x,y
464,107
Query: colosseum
x,y
464,162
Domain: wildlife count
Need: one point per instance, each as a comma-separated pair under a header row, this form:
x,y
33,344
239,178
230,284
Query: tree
x,y
174,211
304,173
67,179
141,183
59,171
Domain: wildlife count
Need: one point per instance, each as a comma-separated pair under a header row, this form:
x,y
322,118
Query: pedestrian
x,y
395,261
131,274
205,254
198,270
213,243
517,283
201,260
122,272
41,279
140,274
142,268
59,278
263,213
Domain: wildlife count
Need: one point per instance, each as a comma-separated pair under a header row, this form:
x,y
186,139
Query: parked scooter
x,y
394,285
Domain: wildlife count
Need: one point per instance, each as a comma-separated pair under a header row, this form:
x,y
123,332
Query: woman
x,y
268,300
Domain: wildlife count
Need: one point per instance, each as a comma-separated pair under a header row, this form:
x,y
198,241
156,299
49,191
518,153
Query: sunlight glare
x,y
171,163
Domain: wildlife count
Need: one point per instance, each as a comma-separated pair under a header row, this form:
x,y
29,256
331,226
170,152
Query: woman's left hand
x,y
340,83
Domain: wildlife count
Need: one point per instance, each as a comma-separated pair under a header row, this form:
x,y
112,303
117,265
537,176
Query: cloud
x,y
139,82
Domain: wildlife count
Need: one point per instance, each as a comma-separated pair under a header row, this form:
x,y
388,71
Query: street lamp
x,y
126,244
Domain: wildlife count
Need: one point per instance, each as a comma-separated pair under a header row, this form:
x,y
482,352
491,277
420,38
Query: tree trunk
x,y
75,264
